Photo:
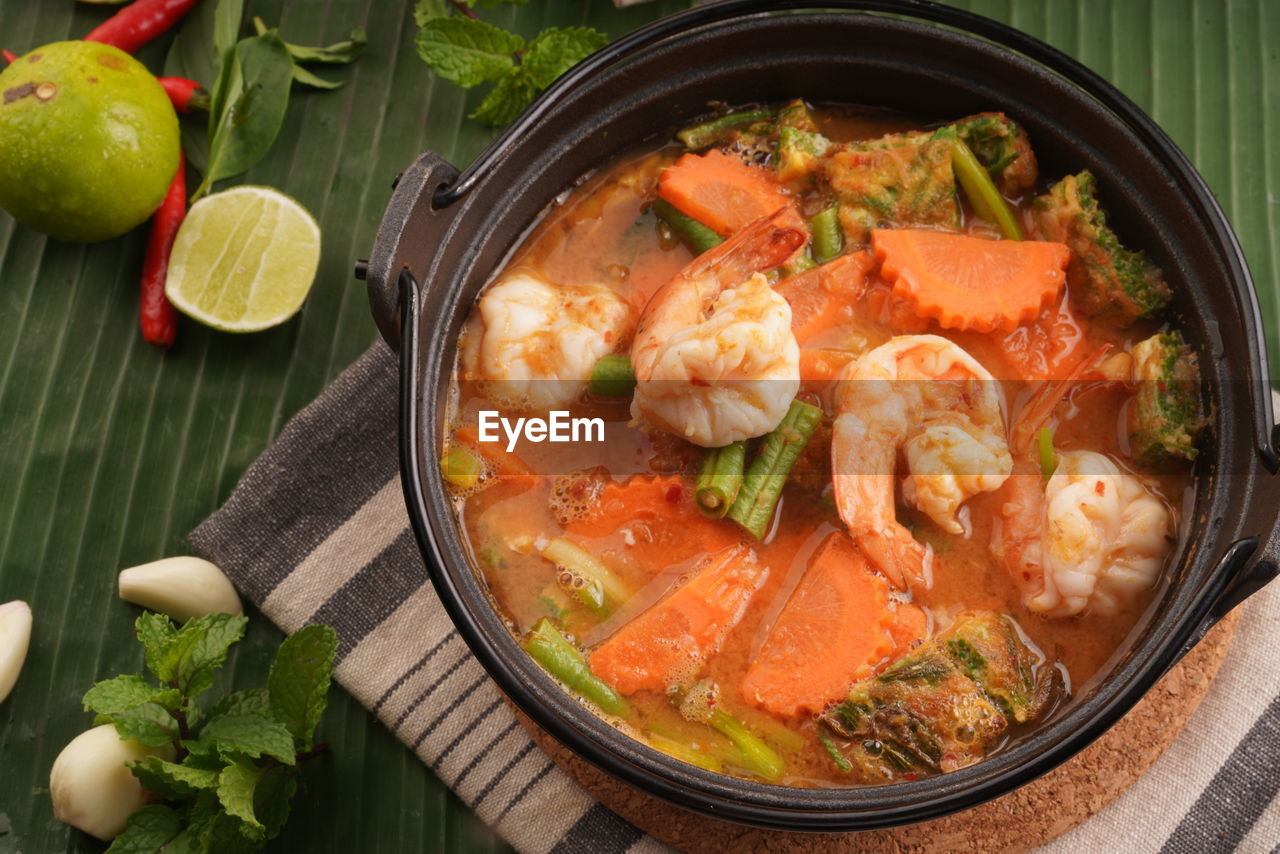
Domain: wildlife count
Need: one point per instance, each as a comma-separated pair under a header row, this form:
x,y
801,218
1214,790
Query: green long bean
x,y
720,479
699,236
612,376
757,757
703,134
767,474
981,190
828,238
547,646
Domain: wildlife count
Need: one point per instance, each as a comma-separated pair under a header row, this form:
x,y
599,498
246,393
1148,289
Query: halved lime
x,y
244,259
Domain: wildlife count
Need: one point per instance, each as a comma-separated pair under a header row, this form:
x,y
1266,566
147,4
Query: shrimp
x,y
536,342
714,357
927,397
1091,539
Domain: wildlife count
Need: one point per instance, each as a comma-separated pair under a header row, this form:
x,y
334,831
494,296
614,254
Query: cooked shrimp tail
x,y
1036,411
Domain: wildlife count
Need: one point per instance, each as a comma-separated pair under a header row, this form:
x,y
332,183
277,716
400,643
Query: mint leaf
x,y
148,724
149,830
171,780
249,701
428,10
272,796
250,734
156,632
299,681
112,696
467,51
235,790
211,831
512,94
555,51
187,657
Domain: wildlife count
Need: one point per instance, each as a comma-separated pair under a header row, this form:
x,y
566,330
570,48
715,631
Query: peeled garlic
x,y
182,587
91,787
15,635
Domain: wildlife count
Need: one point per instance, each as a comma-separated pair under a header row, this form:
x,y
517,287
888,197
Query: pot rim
x,y
777,806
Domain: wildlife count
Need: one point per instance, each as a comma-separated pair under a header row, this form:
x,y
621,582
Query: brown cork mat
x,y
1019,821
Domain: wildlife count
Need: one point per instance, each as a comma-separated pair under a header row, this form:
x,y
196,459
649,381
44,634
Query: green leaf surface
x,y
173,780
304,77
148,724
247,701
247,108
149,830
557,50
236,785
110,450
112,696
250,734
228,16
467,51
512,94
299,680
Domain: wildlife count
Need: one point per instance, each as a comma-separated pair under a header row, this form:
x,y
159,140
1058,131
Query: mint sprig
x,y
235,766
462,48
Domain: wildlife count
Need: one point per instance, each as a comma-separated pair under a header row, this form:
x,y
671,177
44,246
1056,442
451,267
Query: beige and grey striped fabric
x,y
316,531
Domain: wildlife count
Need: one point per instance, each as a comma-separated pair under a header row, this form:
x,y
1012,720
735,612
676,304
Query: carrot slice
x,y
723,193
660,519
668,644
826,296
837,627
969,282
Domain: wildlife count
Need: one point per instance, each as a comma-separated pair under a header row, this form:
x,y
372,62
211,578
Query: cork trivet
x,y
1019,821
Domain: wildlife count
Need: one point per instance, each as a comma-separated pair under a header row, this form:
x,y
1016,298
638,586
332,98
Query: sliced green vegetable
x,y
798,264
612,377
461,467
720,479
767,474
981,190
586,577
1048,459
828,238
687,228
683,752
547,646
704,134
757,757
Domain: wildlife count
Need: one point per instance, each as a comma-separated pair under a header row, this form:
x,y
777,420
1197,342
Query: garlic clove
x,y
181,587
15,637
91,786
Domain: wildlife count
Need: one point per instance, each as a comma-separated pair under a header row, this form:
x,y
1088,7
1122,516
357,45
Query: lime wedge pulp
x,y
244,259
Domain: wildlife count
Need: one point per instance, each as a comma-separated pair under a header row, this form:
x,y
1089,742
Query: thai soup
x,y
823,446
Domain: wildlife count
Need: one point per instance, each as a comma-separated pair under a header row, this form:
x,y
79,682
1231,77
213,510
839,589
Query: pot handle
x,y
1248,564
410,228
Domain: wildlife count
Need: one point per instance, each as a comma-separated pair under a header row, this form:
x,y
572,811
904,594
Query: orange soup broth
x,y
604,232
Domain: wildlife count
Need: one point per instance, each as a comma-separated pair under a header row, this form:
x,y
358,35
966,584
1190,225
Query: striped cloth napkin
x,y
316,531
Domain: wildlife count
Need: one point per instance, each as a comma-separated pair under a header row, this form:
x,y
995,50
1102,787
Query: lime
x,y
89,141
243,259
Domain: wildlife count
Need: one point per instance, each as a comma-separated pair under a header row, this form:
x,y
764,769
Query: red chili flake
x,y
675,493
1100,488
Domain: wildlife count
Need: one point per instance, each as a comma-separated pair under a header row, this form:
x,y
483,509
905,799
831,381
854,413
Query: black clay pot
x,y
445,233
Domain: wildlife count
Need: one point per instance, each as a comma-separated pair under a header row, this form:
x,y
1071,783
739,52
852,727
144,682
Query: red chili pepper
x,y
158,317
9,56
140,22
186,95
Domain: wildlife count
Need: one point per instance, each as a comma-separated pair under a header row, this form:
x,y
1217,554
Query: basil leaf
x,y
248,107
